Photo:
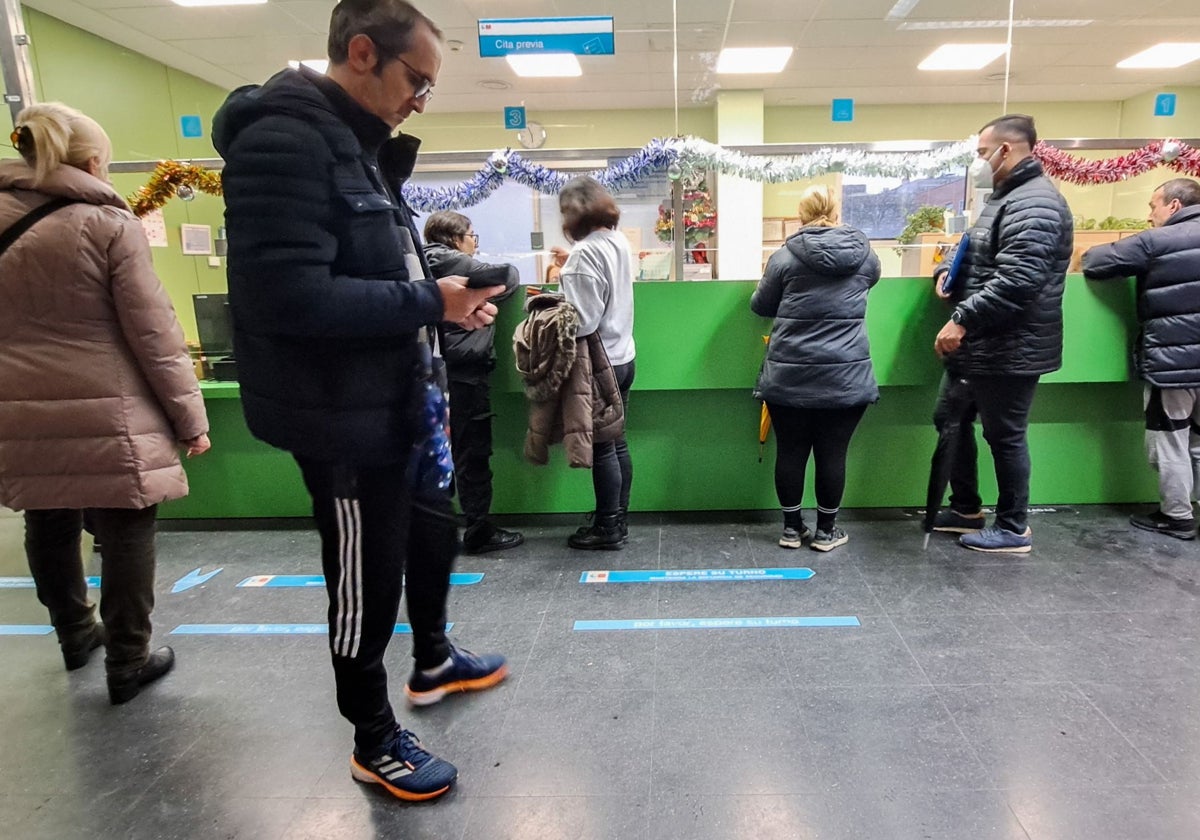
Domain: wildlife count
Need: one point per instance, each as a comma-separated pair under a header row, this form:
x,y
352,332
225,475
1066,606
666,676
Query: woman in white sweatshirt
x,y
598,280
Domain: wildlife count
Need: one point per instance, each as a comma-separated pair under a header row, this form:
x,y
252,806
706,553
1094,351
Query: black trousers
x,y
126,537
825,434
1002,404
374,537
471,442
612,468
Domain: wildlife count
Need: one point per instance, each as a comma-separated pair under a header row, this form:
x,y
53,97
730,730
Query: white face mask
x,y
980,171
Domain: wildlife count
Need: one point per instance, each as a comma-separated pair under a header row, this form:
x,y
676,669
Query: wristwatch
x,y
956,317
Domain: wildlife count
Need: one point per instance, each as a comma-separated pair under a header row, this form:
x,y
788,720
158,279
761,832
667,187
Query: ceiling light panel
x,y
191,3
544,65
962,56
753,59
1162,56
318,64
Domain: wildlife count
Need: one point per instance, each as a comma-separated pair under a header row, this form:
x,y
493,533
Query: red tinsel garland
x,y
1065,167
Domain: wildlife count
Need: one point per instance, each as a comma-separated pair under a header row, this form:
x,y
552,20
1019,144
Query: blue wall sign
x,y
693,575
514,117
190,126
499,37
721,623
843,110
1164,105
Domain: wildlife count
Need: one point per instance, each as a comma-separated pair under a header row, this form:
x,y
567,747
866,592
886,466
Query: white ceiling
x,y
844,48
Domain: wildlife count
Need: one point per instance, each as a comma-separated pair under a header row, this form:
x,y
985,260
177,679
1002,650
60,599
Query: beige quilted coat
x,y
569,382
96,387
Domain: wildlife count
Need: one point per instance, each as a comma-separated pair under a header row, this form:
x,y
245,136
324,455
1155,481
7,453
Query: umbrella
x,y
955,408
764,418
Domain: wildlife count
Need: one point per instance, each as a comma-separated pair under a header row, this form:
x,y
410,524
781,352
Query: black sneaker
x,y
124,688
487,537
405,769
794,538
467,672
953,522
828,540
1159,523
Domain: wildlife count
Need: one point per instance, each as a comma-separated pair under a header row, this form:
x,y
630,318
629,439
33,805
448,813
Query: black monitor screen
x,y
214,323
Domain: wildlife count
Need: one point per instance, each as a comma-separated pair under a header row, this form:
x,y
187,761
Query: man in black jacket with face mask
x,y
1166,262
1005,330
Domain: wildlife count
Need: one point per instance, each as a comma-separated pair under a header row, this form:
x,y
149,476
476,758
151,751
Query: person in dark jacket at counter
x,y
332,308
817,379
1005,330
450,245
1166,262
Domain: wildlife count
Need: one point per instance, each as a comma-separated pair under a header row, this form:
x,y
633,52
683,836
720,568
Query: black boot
x,y
623,522
123,689
77,653
604,533
483,536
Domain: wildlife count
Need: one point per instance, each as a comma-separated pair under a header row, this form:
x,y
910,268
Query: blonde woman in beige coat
x,y
96,392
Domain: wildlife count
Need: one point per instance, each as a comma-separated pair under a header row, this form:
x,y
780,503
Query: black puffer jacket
x,y
815,287
325,315
1166,262
468,353
1010,298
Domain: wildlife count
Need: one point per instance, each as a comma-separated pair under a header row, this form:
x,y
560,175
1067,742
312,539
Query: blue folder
x,y
956,264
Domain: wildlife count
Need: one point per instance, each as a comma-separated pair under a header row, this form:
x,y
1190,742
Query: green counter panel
x,y
693,424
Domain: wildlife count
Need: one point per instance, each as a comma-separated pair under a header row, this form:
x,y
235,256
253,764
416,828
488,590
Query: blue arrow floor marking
x,y
25,629
27,583
269,629
308,581
720,623
193,578
694,575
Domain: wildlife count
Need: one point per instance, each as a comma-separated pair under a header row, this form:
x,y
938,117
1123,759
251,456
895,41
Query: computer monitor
x,y
214,323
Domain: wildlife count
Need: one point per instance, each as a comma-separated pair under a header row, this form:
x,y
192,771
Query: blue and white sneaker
x,y
466,672
405,769
995,539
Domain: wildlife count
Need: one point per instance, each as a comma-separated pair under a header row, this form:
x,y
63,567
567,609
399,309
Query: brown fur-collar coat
x,y
572,391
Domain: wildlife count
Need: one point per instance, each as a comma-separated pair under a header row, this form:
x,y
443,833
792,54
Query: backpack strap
x,y
30,219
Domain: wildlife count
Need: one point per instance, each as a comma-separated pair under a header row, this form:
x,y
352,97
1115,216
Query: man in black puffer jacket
x,y
1166,262
1005,331
331,309
450,244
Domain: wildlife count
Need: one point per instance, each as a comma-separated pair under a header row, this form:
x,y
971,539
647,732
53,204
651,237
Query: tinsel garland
x,y
689,154
167,179
1174,154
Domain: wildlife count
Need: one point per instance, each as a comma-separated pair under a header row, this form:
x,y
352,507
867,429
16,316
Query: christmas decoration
x,y
1174,154
172,178
1170,150
699,221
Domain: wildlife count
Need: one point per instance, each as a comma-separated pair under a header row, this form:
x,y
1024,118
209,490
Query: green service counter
x,y
693,423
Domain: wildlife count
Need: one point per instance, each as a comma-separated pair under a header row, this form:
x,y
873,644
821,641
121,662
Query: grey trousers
x,y
1173,446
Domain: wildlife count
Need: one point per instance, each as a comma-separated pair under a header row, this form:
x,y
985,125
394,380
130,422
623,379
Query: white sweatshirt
x,y
598,280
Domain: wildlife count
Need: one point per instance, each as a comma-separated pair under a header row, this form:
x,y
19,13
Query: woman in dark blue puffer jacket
x,y
817,379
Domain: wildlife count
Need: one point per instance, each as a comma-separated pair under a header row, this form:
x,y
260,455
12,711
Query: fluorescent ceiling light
x,y
1163,56
544,65
318,64
901,9
1027,23
753,59
218,2
962,56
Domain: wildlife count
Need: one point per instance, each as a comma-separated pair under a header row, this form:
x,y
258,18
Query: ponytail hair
x,y
819,207
51,134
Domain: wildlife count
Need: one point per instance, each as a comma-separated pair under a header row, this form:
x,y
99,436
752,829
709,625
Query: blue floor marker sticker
x,y
308,581
27,582
269,629
769,622
694,575
25,629
193,578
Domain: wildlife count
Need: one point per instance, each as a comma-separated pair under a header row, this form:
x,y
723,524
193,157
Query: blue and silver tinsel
x,y
691,154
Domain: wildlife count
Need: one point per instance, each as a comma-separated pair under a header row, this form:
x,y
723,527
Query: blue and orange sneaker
x,y
405,769
465,672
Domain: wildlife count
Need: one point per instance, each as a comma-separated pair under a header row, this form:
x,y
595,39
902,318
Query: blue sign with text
x,y
499,37
693,575
190,126
514,117
843,110
1164,105
765,623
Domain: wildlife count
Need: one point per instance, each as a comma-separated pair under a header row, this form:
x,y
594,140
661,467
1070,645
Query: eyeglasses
x,y
423,86
474,236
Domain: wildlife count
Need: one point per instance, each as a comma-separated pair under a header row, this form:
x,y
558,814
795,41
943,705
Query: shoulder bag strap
x,y
30,219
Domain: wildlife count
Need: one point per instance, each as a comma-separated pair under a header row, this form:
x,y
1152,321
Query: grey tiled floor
x,y
1051,697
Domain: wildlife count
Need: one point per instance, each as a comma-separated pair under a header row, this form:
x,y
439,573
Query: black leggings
x,y
823,432
612,468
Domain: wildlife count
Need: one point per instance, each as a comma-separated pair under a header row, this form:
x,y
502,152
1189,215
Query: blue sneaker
x,y
467,672
995,539
405,769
